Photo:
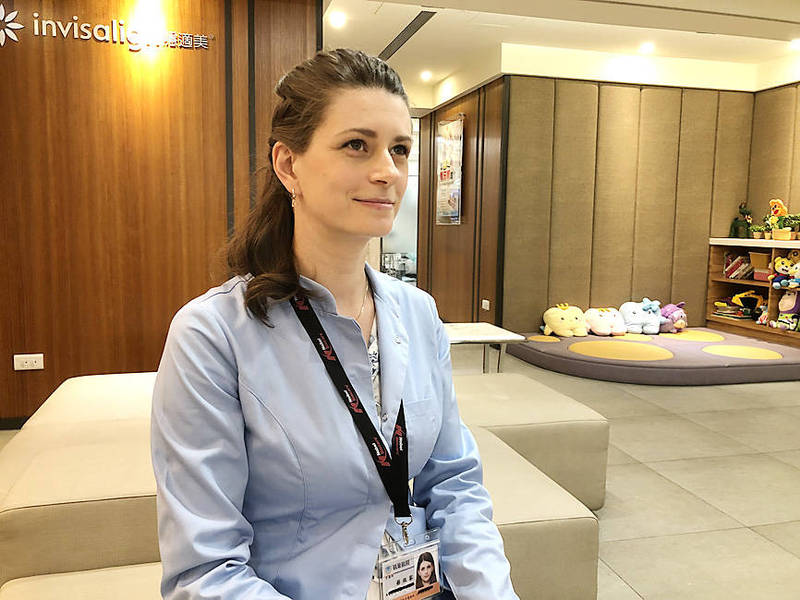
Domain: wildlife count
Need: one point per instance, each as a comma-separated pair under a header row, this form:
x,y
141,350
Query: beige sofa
x,y
77,494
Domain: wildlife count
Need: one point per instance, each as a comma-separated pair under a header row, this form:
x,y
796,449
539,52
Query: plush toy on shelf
x,y
794,275
780,278
741,224
676,318
565,321
605,321
788,311
794,255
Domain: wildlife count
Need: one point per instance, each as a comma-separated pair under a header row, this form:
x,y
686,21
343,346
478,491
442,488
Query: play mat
x,y
696,356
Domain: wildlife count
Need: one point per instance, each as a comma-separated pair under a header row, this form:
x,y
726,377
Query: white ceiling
x,y
466,31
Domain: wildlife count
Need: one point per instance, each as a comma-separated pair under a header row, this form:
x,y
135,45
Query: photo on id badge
x,y
412,575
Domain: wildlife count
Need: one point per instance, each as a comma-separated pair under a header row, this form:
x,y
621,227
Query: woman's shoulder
x,y
405,294
220,304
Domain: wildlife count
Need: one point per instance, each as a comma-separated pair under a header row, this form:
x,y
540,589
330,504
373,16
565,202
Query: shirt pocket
x,y
423,421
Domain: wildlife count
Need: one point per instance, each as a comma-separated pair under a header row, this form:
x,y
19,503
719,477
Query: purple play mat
x,y
697,356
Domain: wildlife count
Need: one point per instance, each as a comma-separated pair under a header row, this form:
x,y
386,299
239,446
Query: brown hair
x,y
263,247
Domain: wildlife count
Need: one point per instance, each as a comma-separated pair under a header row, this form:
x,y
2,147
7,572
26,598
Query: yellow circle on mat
x,y
543,338
634,337
687,335
621,351
750,352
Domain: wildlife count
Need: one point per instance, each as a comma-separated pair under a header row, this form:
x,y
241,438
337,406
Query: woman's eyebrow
x,y
372,134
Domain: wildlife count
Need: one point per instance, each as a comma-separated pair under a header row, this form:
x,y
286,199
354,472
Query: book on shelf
x,y
743,272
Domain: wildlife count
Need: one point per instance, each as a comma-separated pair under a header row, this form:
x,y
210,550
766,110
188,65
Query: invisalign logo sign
x,y
7,26
114,33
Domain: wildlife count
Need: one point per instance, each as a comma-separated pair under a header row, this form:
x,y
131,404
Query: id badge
x,y
408,571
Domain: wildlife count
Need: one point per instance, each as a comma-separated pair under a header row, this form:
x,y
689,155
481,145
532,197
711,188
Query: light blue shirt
x,y
266,489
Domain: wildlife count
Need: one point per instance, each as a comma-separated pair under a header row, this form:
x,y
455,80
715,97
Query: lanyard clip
x,y
404,527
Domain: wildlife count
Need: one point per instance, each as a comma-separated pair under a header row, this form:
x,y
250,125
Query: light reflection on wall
x,y
147,19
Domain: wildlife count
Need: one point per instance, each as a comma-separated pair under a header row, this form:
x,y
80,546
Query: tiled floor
x,y
703,489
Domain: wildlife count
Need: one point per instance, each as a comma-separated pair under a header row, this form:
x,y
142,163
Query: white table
x,y
483,333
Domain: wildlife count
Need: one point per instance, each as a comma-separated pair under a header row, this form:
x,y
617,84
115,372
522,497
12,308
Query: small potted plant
x,y
757,231
767,227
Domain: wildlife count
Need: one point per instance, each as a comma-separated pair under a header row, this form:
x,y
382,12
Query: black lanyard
x,y
393,470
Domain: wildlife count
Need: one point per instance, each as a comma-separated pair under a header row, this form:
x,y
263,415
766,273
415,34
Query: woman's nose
x,y
384,169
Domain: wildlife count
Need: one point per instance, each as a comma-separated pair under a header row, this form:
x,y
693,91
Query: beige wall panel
x,y
693,202
615,194
732,160
528,186
656,181
771,151
574,147
794,195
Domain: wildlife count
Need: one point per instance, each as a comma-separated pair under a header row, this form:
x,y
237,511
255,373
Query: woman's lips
x,y
375,201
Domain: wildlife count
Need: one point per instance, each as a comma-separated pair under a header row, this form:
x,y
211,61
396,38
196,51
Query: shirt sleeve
x,y
450,487
201,469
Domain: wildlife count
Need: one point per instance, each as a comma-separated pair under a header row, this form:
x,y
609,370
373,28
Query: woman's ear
x,y
283,165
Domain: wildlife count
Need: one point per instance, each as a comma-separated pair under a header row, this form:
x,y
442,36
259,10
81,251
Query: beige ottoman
x,y
135,582
551,539
77,496
567,440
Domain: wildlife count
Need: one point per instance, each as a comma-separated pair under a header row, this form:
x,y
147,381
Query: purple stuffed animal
x,y
676,318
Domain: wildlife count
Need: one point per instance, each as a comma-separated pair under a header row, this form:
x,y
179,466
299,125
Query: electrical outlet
x,y
485,304
28,362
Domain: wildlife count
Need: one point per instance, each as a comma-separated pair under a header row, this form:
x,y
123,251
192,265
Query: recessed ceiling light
x,y
795,44
426,75
647,48
337,19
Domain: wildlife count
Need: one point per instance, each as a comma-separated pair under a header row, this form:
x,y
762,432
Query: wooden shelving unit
x,y
719,287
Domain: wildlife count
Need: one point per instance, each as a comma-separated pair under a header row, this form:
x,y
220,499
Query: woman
x,y
267,489
426,570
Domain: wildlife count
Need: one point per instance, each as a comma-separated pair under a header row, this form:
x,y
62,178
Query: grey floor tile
x,y
618,457
765,429
687,399
641,503
669,437
791,457
6,435
786,535
771,393
753,489
736,564
611,587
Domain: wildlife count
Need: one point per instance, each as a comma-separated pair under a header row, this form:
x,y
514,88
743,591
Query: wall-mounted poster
x,y
449,150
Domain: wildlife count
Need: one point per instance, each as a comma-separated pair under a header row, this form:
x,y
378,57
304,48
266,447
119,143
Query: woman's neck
x,y
335,262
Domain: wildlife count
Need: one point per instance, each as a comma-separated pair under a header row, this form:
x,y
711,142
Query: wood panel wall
x,y
458,264
116,170
775,157
613,191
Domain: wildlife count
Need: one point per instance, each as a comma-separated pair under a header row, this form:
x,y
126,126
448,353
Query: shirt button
x,y
397,339
385,417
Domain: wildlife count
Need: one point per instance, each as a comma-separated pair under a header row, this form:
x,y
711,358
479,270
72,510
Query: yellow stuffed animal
x,y
777,208
565,321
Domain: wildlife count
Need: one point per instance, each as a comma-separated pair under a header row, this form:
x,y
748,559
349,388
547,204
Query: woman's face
x,y
425,571
354,173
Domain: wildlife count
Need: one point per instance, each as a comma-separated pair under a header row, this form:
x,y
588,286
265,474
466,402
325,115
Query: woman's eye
x,y
355,144
403,150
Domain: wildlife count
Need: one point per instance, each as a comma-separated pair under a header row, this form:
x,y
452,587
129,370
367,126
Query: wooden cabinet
x,y
720,287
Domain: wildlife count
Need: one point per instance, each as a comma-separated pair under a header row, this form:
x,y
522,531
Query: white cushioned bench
x,y
77,497
133,582
567,440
